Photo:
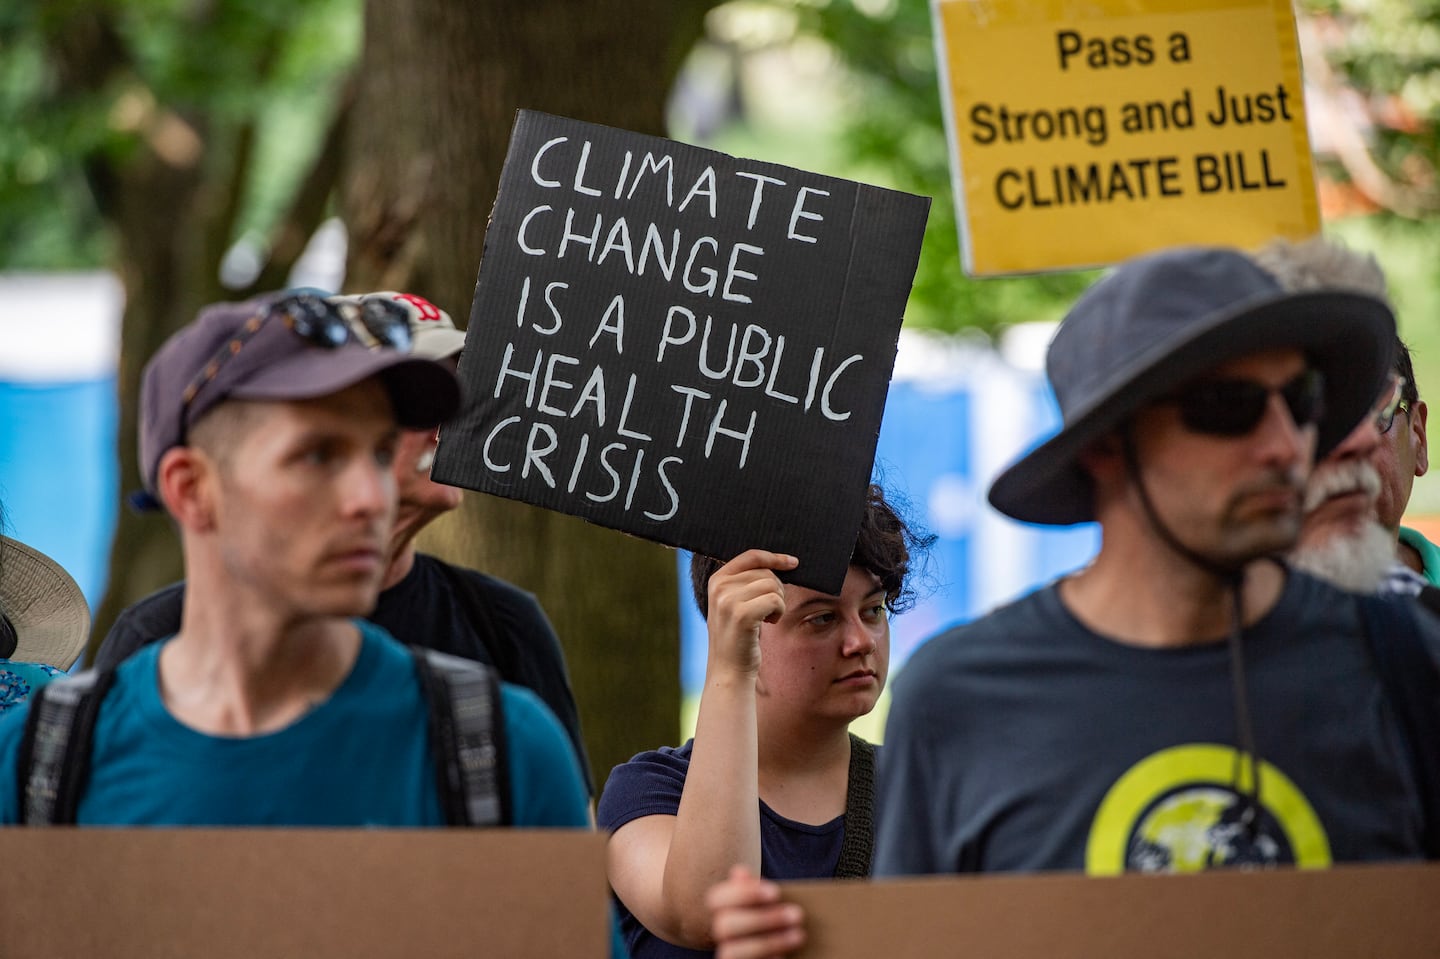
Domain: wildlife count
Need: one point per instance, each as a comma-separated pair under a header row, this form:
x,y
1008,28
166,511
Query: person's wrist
x,y
722,674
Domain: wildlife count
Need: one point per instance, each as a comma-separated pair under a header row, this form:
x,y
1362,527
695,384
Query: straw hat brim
x,y
44,604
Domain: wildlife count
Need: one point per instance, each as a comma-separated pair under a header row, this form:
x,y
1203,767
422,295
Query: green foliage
x,y
893,129
90,85
44,203
1389,52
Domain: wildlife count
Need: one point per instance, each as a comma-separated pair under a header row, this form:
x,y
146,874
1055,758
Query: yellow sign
x,y
1088,131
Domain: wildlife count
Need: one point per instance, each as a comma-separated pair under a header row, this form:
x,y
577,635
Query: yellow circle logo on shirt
x,y
1182,810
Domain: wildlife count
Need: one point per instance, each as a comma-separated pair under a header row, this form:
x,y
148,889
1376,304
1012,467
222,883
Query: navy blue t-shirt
x,y
650,784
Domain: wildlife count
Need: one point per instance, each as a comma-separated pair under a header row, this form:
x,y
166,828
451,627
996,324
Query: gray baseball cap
x,y
275,347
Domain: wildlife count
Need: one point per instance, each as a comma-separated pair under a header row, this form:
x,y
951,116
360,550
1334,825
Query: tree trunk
x,y
162,287
171,198
440,82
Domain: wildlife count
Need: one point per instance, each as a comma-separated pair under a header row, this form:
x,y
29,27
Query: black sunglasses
x,y
315,320
386,321
1233,407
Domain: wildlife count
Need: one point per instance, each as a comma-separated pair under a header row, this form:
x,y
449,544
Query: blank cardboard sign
x,y
683,345
1342,913
267,894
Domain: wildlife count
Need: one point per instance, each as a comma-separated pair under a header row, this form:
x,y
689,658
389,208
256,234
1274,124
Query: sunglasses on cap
x,y
377,321
316,321
1234,407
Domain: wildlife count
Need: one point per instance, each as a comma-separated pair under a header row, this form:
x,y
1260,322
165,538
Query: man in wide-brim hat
x,y
1185,701
44,621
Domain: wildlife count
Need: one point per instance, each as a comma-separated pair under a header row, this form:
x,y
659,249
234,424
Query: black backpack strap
x,y
1412,684
54,760
467,738
858,847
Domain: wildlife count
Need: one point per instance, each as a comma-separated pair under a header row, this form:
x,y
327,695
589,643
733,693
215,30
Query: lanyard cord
x,y
1246,753
1244,727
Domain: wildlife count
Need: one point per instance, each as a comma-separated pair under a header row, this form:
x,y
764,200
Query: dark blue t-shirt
x,y
650,784
1025,742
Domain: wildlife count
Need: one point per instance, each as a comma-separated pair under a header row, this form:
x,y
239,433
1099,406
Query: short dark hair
x,y
885,546
1410,392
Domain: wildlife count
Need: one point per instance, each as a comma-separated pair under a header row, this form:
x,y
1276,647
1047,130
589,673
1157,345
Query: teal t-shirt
x,y
1429,553
361,758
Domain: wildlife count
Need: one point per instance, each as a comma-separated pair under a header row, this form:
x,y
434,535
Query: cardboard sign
x,y
1083,133
1338,913
348,894
681,345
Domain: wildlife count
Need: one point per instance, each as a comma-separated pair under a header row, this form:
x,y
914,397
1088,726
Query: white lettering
x,y
520,236
732,272
760,181
536,456
535,163
665,482
490,464
800,212
830,384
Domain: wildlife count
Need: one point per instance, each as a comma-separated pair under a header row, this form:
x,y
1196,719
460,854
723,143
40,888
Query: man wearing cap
x,y
44,621
267,431
423,601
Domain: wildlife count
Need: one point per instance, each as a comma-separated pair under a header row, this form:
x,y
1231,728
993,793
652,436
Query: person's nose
x,y
1360,443
1283,442
370,488
859,638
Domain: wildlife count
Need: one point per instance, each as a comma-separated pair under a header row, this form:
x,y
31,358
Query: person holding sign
x,y
772,778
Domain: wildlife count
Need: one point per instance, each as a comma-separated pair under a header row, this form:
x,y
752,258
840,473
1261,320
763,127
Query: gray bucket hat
x,y
1159,320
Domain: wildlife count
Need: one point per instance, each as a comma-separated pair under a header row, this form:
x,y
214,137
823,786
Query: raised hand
x,y
744,593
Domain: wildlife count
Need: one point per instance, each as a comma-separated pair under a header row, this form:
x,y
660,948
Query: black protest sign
x,y
683,345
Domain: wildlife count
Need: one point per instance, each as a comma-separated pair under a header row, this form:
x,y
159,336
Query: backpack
x,y
1412,685
466,726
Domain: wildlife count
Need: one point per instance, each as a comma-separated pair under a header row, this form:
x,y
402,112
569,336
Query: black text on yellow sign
x,y
1083,144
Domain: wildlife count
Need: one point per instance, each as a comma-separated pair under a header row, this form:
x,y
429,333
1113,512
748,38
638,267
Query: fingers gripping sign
x,y
744,593
749,919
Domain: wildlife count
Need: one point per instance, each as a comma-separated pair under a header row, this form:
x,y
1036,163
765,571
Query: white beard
x,y
1333,479
1357,563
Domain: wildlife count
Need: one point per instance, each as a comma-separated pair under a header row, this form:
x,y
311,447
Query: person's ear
x,y
185,482
1417,417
